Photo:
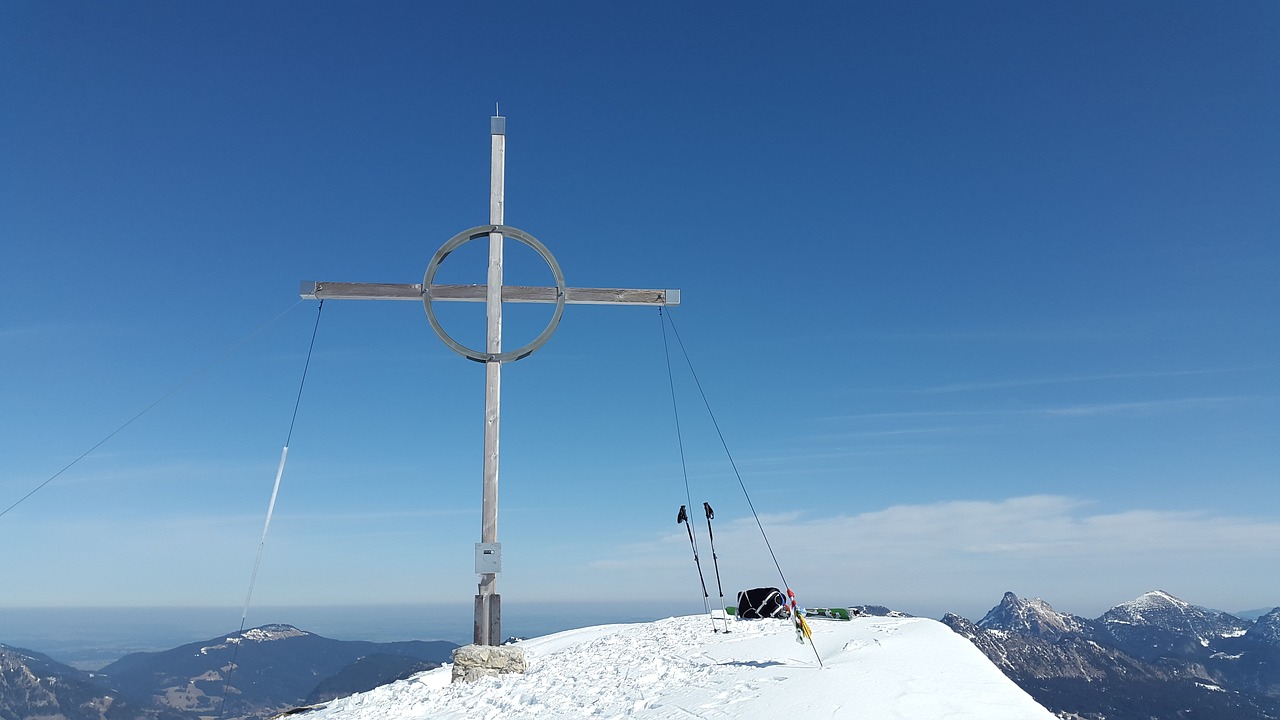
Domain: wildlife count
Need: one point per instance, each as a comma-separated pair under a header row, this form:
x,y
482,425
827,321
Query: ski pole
x,y
715,561
683,519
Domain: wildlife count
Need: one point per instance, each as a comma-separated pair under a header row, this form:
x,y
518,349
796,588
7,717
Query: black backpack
x,y
762,603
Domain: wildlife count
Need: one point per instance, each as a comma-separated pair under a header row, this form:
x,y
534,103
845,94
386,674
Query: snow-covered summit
x,y
1030,617
1158,623
269,633
1162,610
874,667
266,633
1154,603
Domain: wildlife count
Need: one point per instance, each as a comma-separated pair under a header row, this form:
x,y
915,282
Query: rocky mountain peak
x,y
1030,617
960,625
1154,656
1267,628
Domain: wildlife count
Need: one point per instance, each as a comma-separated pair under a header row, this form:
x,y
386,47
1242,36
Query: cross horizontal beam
x,y
312,290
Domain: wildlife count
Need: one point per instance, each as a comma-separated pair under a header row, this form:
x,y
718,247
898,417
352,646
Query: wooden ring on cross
x,y
467,236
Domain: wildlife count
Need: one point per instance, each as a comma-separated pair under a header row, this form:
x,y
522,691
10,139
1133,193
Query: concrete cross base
x,y
472,662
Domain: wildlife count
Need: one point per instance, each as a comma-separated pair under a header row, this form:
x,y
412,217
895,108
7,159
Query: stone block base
x,y
472,662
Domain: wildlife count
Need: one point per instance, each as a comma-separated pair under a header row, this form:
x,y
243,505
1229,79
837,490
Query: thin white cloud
x,y
927,559
1146,406
359,518
962,555
1083,409
1066,380
22,332
1094,332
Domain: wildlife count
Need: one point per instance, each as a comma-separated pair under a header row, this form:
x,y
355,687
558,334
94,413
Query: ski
x,y
831,613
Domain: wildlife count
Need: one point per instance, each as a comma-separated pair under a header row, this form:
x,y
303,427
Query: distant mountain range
x,y
33,685
257,673
1153,657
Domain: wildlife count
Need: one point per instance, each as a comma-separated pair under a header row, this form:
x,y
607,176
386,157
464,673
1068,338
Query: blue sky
x,y
983,297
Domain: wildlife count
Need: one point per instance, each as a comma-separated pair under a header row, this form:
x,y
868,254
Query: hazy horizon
x,y
91,637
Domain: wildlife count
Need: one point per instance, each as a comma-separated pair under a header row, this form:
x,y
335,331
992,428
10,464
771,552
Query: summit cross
x,y
488,622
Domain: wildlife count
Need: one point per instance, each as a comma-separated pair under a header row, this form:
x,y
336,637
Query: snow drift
x,y
875,667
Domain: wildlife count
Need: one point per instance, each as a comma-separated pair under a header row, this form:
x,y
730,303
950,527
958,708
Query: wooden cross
x,y
488,627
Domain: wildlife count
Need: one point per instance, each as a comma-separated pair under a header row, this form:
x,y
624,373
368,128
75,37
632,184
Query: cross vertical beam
x,y
488,627
488,619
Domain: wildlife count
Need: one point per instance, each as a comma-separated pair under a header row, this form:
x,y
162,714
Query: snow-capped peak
x,y
1158,600
266,633
1160,612
1154,608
